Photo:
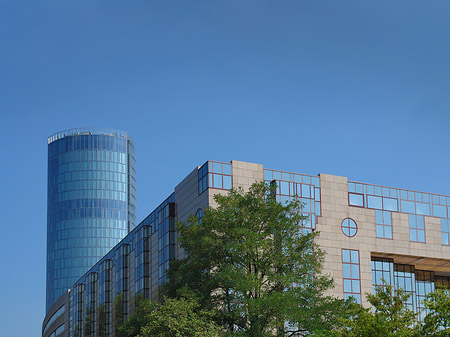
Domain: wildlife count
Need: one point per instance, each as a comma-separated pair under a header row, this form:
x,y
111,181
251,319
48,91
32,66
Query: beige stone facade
x,y
430,255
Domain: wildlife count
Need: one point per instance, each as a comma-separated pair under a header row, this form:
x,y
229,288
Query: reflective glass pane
x,y
440,211
227,169
346,231
227,182
422,208
393,193
378,217
389,204
359,188
420,222
317,194
284,187
306,191
347,286
276,175
408,206
380,232
374,202
444,225
217,180
355,256
351,187
346,255
387,218
388,232
421,236
356,199
217,168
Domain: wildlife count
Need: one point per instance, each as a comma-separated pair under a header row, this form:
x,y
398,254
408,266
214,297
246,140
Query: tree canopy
x,y
248,262
170,318
437,321
388,317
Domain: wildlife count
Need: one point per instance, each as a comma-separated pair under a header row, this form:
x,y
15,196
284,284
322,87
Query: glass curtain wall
x,y
91,201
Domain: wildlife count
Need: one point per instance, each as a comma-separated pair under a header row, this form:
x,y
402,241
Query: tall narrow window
x,y
203,178
351,274
405,278
199,215
445,231
383,221
424,285
416,228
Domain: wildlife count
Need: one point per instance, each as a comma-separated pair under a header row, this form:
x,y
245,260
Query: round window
x,y
349,227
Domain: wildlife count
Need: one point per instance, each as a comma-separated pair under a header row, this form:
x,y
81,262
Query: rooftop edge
x,y
88,131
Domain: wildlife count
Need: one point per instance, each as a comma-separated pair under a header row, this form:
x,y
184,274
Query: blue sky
x,y
354,88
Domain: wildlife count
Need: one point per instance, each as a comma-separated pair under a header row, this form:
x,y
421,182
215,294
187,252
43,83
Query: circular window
x,y
349,227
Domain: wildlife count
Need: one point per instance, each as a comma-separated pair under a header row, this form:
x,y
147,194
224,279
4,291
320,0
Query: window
x,y
383,220
416,283
445,232
405,278
351,274
424,285
55,316
382,272
416,228
349,227
203,178
220,175
355,199
308,223
199,215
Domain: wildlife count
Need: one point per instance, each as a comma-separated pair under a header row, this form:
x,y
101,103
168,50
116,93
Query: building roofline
x,y
88,131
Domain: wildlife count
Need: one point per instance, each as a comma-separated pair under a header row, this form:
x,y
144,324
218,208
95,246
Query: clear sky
x,y
354,88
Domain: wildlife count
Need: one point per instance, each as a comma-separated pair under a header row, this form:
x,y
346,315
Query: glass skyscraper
x,y
91,201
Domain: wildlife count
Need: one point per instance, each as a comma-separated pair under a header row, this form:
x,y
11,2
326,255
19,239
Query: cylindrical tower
x,y
91,201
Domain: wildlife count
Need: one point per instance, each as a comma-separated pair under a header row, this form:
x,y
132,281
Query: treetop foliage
x,y
249,263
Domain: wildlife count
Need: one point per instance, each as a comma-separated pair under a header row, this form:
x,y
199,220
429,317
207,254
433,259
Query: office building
x,y
91,201
369,233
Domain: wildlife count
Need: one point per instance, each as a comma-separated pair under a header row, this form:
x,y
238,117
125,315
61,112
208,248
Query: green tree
x,y
249,263
171,318
133,325
437,321
388,317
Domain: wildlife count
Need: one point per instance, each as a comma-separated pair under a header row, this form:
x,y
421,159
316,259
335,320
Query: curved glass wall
x,y
91,201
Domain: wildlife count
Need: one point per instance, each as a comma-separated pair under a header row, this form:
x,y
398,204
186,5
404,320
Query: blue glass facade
x,y
91,201
104,297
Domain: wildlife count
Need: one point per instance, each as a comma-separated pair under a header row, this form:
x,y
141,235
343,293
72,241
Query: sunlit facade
x,y
370,233
91,201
